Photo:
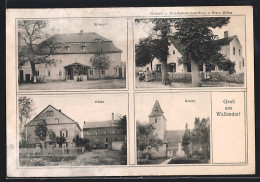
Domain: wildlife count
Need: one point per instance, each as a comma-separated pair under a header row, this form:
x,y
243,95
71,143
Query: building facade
x,y
230,47
57,122
72,60
103,135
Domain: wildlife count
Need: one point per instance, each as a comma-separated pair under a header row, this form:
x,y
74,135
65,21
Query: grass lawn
x,y
158,84
188,161
64,85
98,157
152,161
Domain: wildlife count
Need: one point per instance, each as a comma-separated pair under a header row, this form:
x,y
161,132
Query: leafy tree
x,y
41,130
100,61
80,142
26,108
227,65
158,44
121,125
195,34
146,139
144,52
60,140
200,136
32,32
186,140
52,136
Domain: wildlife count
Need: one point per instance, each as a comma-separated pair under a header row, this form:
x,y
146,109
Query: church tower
x,y
158,120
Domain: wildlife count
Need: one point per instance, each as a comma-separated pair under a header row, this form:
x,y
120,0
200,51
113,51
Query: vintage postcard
x,y
130,91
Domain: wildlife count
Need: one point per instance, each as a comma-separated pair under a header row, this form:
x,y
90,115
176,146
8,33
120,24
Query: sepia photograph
x,y
87,54
171,133
189,52
66,130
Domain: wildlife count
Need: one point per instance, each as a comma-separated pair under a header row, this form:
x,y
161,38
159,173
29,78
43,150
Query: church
x,y
172,139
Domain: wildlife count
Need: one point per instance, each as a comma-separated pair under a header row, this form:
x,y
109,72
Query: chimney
x,y
113,116
81,32
226,34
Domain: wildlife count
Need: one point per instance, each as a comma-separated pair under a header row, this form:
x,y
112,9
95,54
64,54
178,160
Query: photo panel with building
x,y
190,52
172,128
87,54
72,130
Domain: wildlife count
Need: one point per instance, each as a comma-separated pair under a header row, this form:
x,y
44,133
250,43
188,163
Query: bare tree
x,y
36,47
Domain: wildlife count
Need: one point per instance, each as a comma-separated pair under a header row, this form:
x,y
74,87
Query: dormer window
x,y
82,48
67,48
98,40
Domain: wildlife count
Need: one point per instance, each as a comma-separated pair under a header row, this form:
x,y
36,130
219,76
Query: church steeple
x,y
157,110
158,120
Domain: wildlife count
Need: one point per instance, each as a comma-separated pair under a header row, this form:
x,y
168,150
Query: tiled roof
x,y
177,45
91,43
99,124
79,37
157,110
33,121
225,41
220,42
174,136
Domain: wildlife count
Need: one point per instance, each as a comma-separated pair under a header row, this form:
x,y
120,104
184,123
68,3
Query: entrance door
x,y
21,75
71,73
27,77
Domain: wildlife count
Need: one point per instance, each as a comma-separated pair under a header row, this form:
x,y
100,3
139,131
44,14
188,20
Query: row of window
x,y
48,73
113,132
67,48
102,71
107,139
91,72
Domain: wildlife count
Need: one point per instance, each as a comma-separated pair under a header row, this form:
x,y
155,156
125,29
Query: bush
x,y
25,144
234,78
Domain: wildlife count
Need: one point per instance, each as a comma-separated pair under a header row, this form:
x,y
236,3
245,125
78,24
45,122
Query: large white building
x,y
73,59
230,48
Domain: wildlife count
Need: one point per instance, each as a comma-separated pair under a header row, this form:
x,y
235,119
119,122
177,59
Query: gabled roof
x,y
50,106
225,41
99,124
92,43
177,44
80,37
220,42
173,136
157,110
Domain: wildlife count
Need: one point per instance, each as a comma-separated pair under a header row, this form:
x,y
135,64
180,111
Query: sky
x,y
112,29
236,26
176,110
80,107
